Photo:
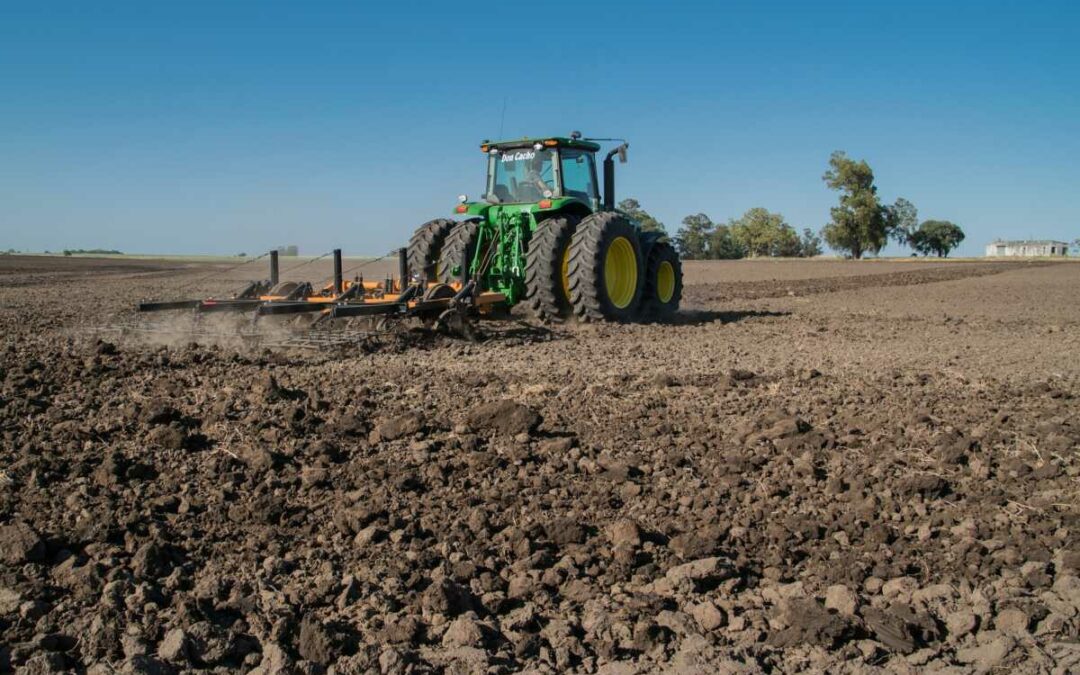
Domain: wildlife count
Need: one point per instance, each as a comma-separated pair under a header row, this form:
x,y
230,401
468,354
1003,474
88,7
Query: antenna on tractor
x,y
502,118
609,140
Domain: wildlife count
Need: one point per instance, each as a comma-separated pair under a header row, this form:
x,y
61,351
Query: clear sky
x,y
219,127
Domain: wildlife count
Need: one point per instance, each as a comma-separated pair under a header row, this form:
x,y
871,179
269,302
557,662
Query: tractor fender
x,y
648,240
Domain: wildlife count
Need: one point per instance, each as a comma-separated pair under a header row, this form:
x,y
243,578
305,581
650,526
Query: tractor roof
x,y
549,141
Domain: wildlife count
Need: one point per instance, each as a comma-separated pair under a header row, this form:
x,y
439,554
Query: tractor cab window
x,y
521,175
578,175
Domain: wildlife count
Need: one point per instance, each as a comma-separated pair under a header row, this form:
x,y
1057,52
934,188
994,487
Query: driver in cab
x,y
534,173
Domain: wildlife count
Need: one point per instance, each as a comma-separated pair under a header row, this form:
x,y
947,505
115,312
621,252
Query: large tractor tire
x,y
426,245
457,252
663,281
547,263
606,269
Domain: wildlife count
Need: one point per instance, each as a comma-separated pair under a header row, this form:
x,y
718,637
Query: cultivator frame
x,y
449,307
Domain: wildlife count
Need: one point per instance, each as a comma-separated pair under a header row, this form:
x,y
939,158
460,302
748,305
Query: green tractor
x,y
543,235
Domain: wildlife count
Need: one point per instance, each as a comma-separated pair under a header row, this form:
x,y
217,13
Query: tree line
x,y
859,224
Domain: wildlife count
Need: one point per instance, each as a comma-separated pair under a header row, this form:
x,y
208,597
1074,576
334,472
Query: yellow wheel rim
x,y
620,272
665,282
566,272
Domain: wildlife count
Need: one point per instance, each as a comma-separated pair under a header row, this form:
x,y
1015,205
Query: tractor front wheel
x,y
605,269
547,262
663,281
425,247
458,251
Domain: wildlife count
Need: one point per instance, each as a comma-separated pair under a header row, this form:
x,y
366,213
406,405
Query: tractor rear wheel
x,y
457,252
663,281
606,269
547,262
426,245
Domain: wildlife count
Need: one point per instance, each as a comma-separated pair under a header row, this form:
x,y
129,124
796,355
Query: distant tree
x,y
937,237
241,255
902,220
761,233
632,208
722,245
757,231
859,223
91,251
788,244
692,239
810,244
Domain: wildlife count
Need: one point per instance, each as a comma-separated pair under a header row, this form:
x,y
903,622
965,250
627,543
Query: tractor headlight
x,y
538,146
463,198
548,194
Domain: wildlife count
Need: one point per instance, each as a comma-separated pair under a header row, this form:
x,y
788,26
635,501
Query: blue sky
x,y
219,127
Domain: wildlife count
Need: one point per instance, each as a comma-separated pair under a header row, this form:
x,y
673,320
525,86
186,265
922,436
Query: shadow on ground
x,y
696,317
515,331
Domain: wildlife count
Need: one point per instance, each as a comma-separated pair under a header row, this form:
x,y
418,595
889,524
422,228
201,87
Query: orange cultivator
x,y
450,307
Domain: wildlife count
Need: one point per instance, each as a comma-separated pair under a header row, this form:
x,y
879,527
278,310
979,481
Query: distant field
x,y
178,258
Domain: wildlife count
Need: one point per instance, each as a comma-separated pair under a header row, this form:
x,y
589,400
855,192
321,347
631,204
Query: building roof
x,y
1027,242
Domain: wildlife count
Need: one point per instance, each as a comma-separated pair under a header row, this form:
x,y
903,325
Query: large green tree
x,y
632,208
788,244
902,220
859,224
757,231
722,245
937,237
762,233
692,239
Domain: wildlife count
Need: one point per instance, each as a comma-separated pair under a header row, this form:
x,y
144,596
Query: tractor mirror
x,y
622,153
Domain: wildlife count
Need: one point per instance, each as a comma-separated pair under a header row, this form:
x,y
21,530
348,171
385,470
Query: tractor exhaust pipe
x,y
273,268
339,285
403,267
609,175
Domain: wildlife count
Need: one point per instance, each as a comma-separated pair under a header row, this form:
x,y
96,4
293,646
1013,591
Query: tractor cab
x,y
530,170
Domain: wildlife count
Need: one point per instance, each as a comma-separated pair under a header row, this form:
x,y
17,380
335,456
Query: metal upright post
x,y
273,268
339,284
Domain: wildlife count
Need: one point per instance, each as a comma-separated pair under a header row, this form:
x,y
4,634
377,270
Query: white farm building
x,y
1026,248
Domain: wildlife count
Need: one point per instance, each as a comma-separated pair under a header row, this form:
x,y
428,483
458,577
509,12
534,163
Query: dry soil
x,y
838,466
